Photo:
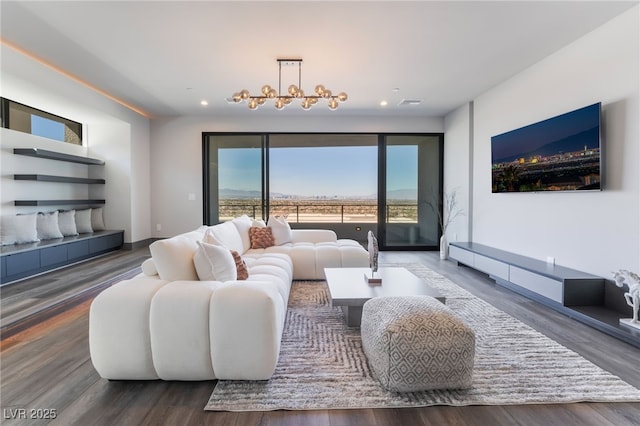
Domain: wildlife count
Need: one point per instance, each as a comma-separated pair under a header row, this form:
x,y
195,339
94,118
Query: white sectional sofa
x,y
168,324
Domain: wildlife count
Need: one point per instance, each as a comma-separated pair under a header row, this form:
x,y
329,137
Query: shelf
x,y
52,155
63,179
56,202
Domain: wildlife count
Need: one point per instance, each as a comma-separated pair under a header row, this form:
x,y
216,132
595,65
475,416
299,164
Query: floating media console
x,y
584,297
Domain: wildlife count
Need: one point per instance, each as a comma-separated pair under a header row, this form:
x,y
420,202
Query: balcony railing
x,y
324,212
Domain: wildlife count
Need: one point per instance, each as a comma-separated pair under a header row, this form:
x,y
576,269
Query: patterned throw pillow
x,y
261,237
241,266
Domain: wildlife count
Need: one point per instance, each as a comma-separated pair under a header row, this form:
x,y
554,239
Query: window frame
x,y
72,126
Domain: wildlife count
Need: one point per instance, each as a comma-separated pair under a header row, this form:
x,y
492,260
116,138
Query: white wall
x,y
596,232
112,132
458,169
176,155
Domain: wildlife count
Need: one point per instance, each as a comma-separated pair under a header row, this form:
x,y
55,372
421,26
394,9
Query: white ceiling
x,y
164,57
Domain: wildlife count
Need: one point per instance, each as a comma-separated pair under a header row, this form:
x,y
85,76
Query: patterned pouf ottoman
x,y
415,343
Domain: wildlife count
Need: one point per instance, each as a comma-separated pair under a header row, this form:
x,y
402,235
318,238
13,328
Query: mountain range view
x,y
398,194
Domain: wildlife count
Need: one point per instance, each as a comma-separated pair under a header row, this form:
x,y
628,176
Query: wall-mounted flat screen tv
x,y
558,154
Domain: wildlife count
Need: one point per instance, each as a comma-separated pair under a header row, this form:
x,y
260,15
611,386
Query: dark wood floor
x,y
26,302
47,367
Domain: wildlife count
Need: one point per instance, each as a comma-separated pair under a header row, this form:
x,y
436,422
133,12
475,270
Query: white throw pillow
x,y
67,223
214,263
83,221
224,234
258,223
97,219
19,229
280,229
173,258
243,223
47,226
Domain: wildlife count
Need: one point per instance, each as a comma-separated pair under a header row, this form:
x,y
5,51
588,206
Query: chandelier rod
x,y
279,78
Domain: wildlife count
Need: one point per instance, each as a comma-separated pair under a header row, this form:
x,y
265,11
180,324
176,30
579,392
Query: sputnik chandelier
x,y
294,92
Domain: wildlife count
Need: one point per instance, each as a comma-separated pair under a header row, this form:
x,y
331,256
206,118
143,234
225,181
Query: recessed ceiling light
x,y
204,103
395,89
410,102
383,103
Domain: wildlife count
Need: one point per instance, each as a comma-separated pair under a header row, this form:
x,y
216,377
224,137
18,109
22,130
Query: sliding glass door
x,y
234,181
410,191
350,183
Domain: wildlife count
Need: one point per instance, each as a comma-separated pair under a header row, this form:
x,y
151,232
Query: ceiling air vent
x,y
410,102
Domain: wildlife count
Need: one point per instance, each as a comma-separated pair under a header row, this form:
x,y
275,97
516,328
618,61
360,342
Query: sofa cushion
x,y
47,226
149,267
261,237
179,330
119,336
224,234
67,223
214,263
19,229
313,236
241,267
280,229
173,258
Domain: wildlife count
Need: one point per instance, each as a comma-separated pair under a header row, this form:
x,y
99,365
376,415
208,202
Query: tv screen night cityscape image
x,y
558,154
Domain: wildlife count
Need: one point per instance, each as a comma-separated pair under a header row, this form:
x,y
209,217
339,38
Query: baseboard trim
x,y
138,244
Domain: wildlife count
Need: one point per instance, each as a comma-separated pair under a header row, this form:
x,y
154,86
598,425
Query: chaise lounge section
x,y
168,324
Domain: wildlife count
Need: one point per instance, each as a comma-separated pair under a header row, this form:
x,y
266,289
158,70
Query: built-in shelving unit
x,y
58,156
24,260
586,298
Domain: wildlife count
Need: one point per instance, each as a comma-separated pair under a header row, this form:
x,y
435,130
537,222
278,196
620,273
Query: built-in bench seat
x,y
24,260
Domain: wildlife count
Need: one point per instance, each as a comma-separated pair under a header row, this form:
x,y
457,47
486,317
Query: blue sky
x,y
529,138
41,126
324,171
319,171
402,167
239,169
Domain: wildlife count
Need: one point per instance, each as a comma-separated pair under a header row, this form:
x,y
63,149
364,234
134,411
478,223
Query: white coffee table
x,y
349,289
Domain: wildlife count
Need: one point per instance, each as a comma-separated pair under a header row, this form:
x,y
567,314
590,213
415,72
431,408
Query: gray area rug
x,y
322,365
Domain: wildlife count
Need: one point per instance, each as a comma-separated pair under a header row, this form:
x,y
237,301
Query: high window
x,y
23,118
